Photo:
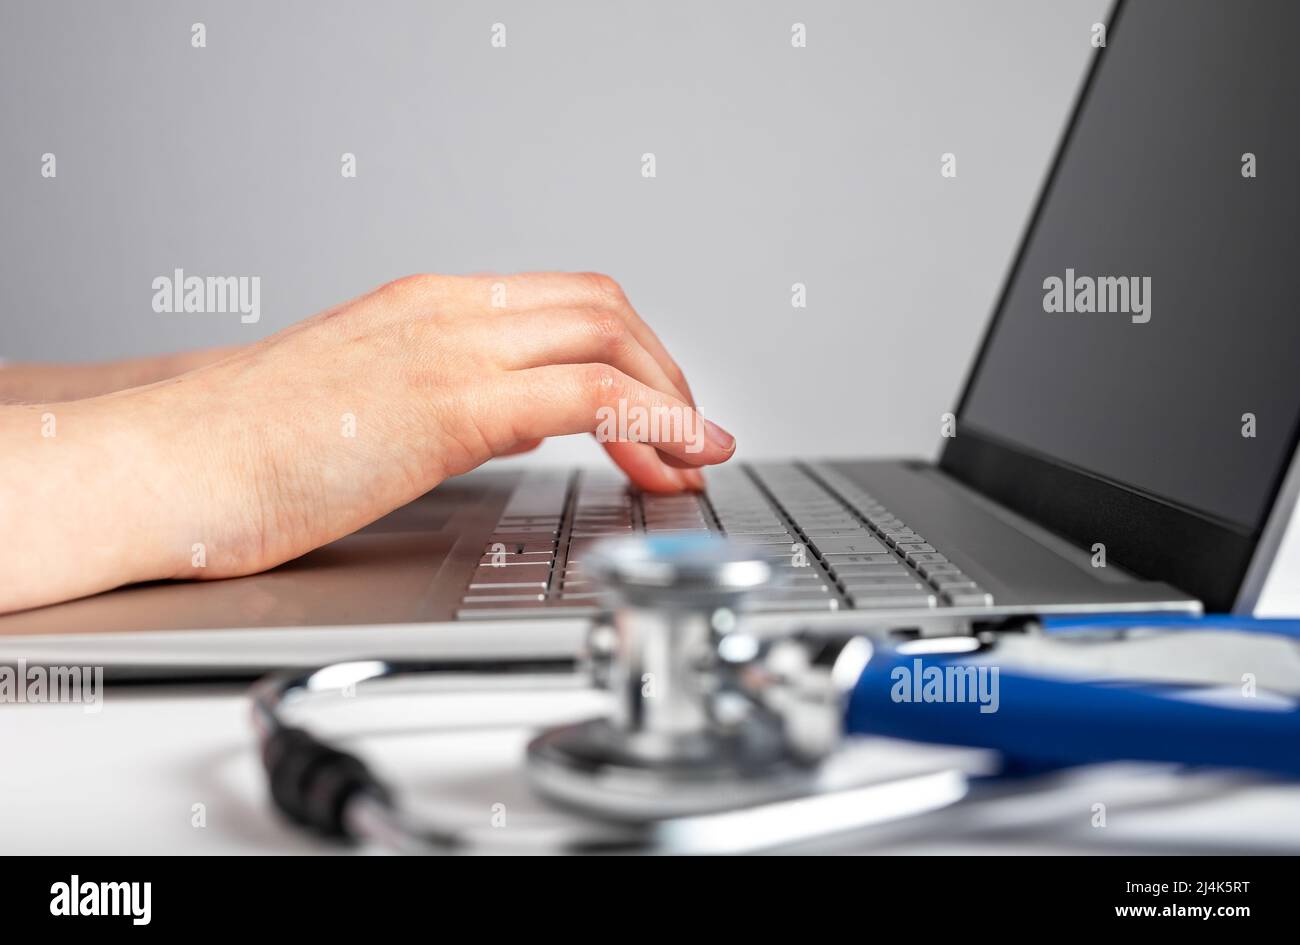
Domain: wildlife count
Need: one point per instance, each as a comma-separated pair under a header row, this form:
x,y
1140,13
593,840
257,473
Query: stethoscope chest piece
x,y
705,718
716,740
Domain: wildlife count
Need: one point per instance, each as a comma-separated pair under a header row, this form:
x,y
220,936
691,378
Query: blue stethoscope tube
x,y
1215,622
1046,722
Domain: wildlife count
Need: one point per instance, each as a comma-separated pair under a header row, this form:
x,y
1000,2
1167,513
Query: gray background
x,y
775,165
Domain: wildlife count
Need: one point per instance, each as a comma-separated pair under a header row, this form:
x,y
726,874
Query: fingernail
x,y
719,437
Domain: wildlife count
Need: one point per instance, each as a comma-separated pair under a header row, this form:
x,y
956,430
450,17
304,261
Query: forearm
x,y
86,503
47,383
190,478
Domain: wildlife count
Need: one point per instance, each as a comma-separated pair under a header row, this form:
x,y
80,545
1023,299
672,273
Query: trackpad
x,y
365,578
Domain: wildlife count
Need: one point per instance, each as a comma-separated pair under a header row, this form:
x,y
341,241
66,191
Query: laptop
x,y
1125,441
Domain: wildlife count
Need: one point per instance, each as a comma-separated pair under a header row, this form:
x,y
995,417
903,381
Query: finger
x,y
559,399
580,336
594,291
638,458
599,298
694,479
577,336
642,464
682,465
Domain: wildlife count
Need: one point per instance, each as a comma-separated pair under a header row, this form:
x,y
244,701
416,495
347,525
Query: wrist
x,y
123,452
187,477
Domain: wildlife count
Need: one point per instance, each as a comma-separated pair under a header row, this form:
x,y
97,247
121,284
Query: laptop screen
x,y
1150,335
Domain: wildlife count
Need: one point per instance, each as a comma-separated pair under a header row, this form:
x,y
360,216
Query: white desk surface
x,y
127,779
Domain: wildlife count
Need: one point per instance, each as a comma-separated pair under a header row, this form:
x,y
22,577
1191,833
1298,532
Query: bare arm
x,y
36,383
308,435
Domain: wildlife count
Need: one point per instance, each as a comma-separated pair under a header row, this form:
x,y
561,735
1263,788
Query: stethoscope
x,y
722,739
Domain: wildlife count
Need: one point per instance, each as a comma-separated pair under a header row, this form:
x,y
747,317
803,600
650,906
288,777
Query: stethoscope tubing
x,y
1234,623
1041,721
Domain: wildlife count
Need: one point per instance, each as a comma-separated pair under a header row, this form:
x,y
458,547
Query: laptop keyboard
x,y
831,544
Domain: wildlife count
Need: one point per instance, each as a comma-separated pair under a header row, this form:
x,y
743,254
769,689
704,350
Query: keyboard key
x,y
902,588
911,548
868,601
926,557
506,611
792,594
844,561
968,598
949,577
884,581
870,570
518,547
941,567
848,546
898,543
817,585
777,553
508,587
821,533
510,561
946,582
581,546
538,570
509,580
482,598
809,522
798,575
899,533
778,606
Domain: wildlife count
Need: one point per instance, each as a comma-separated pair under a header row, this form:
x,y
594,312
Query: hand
x,y
306,436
